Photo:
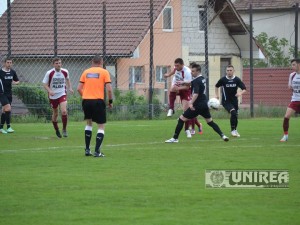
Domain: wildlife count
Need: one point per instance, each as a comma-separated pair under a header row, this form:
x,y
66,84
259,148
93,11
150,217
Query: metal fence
x,y
138,39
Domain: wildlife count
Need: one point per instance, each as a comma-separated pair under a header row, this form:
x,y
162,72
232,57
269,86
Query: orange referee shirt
x,y
94,80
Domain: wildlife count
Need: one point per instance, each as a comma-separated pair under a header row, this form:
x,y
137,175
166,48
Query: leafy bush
x,y
35,99
129,106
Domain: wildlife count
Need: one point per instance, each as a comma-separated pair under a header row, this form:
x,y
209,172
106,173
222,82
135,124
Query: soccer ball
x,y
213,103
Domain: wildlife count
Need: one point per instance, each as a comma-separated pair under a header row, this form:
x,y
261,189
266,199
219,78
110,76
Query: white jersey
x,y
294,83
182,75
56,81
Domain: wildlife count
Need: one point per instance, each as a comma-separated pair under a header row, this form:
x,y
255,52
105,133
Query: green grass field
x,y
45,180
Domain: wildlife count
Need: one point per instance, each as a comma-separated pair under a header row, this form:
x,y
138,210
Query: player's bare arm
x,y
51,93
166,75
80,88
109,94
191,104
238,94
179,88
217,93
69,86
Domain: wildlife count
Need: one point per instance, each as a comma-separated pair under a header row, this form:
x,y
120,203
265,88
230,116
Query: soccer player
x,y
8,77
93,82
197,106
294,106
230,84
180,85
56,82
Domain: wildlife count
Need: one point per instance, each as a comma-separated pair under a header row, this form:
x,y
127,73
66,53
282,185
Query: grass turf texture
x,y
142,180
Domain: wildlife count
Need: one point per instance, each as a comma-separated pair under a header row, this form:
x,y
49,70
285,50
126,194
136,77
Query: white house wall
x,y
278,24
220,43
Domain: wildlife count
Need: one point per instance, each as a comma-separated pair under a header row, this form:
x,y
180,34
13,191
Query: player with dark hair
x,y
180,86
8,77
230,84
294,106
56,81
93,83
197,106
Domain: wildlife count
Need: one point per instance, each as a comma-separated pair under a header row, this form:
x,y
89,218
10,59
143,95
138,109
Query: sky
x,y
3,4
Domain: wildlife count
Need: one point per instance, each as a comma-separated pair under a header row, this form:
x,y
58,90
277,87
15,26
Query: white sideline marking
x,y
174,145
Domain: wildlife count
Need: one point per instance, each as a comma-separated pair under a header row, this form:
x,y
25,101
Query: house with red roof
x,y
75,33
276,17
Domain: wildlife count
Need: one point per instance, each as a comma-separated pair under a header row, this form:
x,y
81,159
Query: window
x,y
201,18
160,71
168,19
136,75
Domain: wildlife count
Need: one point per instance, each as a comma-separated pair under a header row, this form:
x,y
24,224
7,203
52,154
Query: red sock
x,y
193,123
285,125
55,125
64,119
197,122
172,98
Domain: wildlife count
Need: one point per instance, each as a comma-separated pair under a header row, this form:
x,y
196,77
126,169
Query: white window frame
x,y
172,18
132,75
161,74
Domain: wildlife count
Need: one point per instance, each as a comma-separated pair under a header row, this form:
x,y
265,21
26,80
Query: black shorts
x,y
231,105
94,109
5,99
201,110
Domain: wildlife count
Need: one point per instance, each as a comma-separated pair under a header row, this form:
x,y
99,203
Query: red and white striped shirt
x,y
182,75
56,81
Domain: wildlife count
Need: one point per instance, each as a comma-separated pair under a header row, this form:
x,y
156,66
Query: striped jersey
x,y
294,83
182,75
56,81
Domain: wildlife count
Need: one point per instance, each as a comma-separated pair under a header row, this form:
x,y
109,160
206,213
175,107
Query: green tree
x,y
273,48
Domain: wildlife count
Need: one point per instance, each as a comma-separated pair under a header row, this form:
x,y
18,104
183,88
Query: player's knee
x,y
55,113
64,112
233,113
7,108
180,121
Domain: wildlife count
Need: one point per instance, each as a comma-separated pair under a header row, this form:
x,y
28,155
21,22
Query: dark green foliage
x,y
35,99
129,105
274,50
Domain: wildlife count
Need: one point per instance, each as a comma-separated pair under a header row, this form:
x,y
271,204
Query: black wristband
x,y
110,101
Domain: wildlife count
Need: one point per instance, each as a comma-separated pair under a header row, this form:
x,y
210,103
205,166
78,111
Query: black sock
x,y
2,120
233,120
215,127
88,136
7,119
178,128
99,139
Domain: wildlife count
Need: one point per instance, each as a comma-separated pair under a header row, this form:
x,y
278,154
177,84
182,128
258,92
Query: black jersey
x,y
199,87
7,77
1,86
229,88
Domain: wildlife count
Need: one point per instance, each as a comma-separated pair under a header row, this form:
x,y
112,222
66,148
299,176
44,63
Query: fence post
x,y
151,61
206,47
55,26
8,29
296,29
104,34
251,64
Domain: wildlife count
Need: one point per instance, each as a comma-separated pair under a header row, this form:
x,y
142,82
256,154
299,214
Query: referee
x,y
92,84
